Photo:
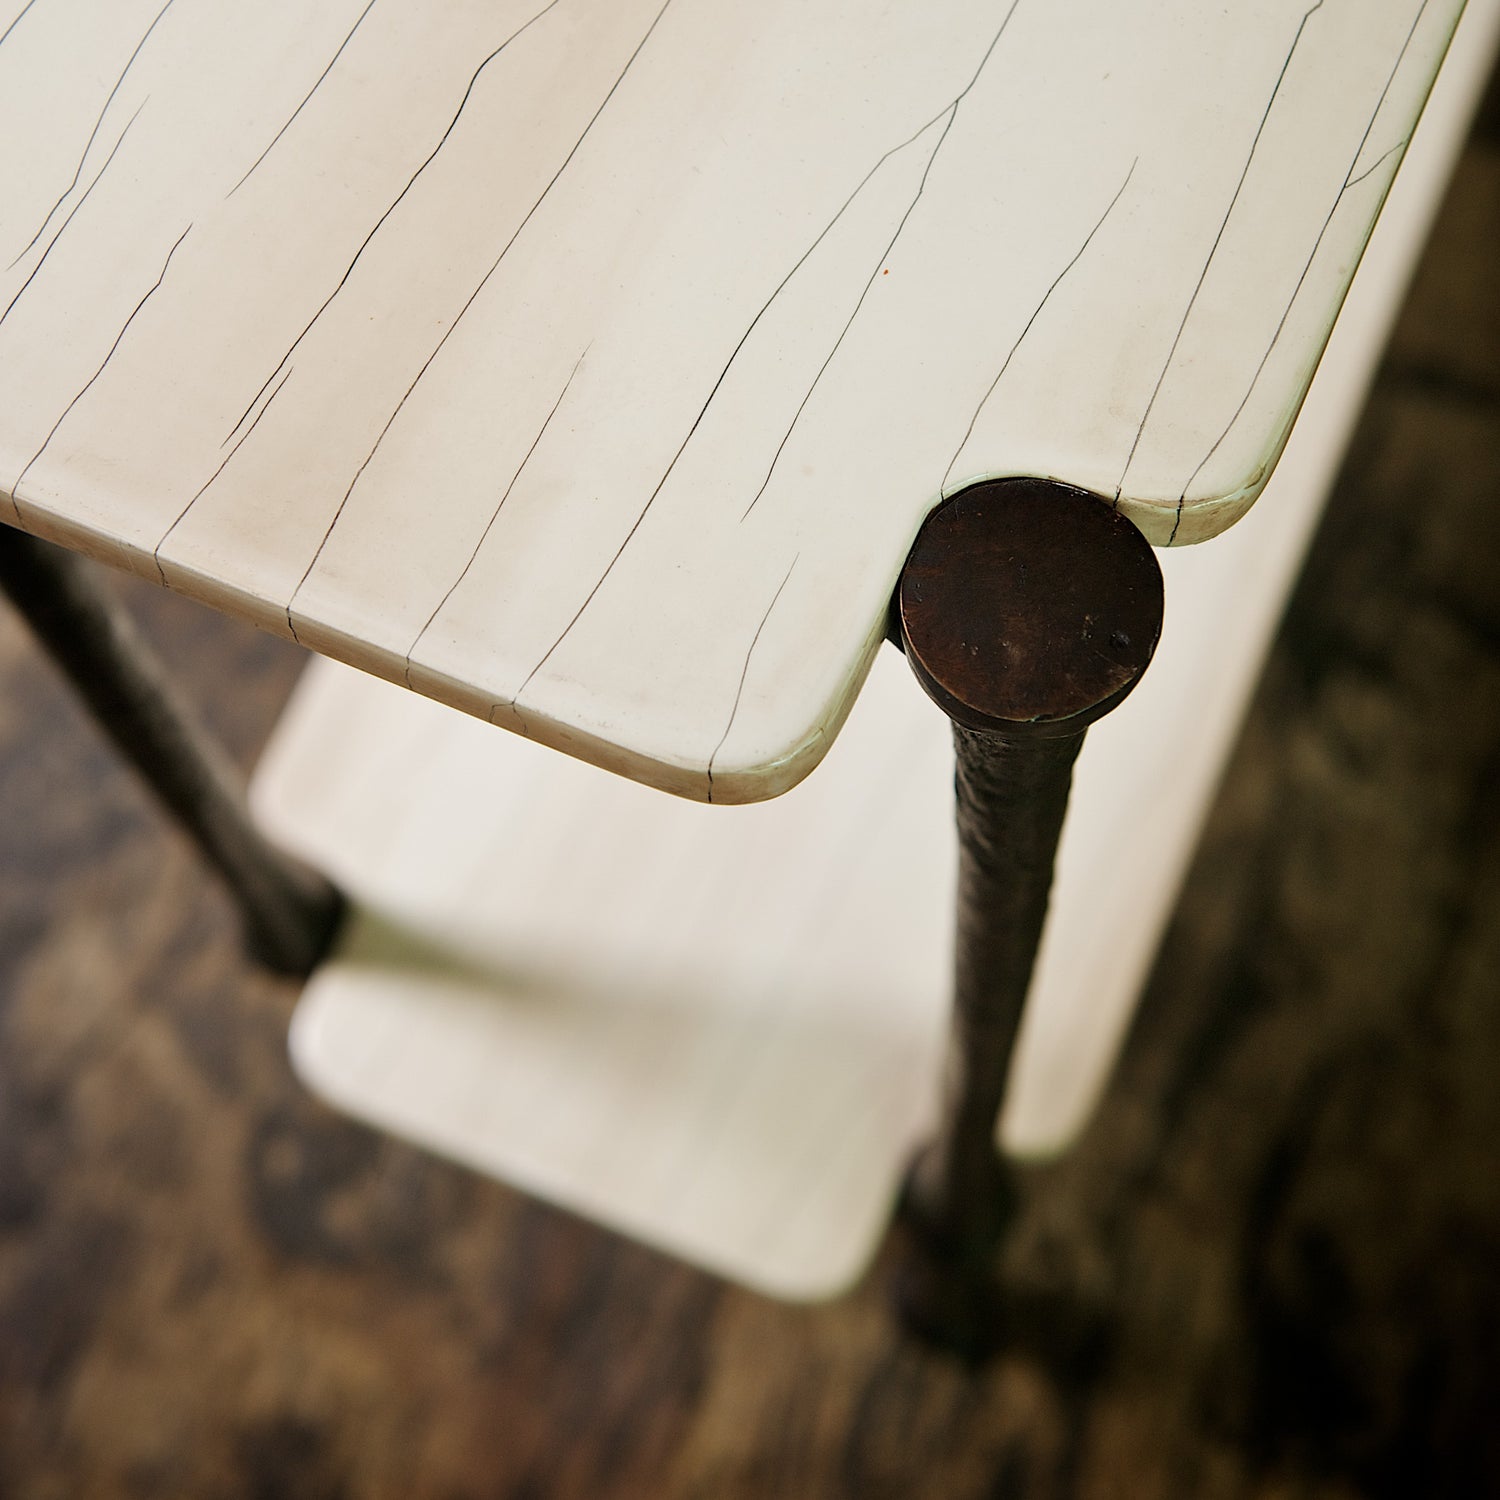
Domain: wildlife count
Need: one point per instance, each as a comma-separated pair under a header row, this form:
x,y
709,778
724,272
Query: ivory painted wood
x,y
591,365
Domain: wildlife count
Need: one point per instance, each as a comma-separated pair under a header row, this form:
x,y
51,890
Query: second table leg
x,y
290,912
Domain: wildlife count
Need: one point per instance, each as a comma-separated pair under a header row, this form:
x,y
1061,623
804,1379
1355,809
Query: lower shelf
x,y
714,1028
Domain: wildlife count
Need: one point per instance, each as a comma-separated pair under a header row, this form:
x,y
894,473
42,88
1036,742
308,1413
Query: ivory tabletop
x,y
590,366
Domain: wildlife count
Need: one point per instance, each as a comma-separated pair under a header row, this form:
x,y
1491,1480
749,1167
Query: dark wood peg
x,y
1029,608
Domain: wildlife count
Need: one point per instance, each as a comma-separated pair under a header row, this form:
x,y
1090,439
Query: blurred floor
x,y
1288,1209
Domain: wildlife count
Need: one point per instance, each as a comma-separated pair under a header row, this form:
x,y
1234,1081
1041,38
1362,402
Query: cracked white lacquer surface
x,y
590,365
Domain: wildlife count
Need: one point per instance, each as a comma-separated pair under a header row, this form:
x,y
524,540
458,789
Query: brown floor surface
x,y
1287,1213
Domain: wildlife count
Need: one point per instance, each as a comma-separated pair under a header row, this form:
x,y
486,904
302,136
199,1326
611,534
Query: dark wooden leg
x,y
290,913
1027,610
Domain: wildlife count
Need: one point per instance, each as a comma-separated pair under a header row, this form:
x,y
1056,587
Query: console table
x,y
592,369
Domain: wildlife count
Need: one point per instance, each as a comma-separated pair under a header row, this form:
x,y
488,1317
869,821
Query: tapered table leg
x,y
290,913
1027,610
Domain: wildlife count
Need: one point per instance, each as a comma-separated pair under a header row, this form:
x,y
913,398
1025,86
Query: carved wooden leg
x,y
1027,610
290,913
